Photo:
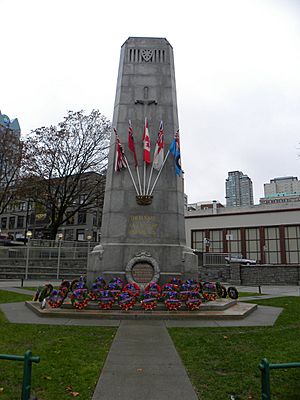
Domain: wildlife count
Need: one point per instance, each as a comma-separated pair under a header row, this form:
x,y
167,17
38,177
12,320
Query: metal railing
x,y
36,251
215,258
28,359
265,368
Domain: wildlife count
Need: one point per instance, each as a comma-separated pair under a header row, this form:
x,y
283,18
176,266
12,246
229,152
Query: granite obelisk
x,y
143,233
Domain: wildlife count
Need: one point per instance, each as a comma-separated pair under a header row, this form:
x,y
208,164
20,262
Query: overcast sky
x,y
237,66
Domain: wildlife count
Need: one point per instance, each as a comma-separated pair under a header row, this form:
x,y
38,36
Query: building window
x,y
3,222
292,244
216,241
272,245
11,222
198,240
69,234
80,234
252,243
234,243
81,220
20,221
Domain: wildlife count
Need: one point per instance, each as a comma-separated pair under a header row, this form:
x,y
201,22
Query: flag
x,y
120,162
131,145
158,156
146,142
175,150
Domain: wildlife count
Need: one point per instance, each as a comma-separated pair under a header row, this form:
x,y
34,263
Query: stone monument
x,y
143,232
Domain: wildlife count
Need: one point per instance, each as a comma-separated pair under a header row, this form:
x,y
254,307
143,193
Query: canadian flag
x,y
146,141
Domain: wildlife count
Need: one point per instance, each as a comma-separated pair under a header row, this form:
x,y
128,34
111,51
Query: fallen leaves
x,y
71,391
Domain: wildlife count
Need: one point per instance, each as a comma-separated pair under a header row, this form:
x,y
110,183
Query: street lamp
x,y
60,238
89,238
28,237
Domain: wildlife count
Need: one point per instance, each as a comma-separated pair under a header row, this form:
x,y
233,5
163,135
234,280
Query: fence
x,y
45,258
265,368
28,359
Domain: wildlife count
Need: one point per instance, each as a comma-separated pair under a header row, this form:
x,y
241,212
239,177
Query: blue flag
x,y
175,150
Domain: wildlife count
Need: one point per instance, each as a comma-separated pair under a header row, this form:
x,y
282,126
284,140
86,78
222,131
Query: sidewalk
x,y
143,364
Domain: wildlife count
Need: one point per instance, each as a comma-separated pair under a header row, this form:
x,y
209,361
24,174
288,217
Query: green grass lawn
x,y
71,357
224,361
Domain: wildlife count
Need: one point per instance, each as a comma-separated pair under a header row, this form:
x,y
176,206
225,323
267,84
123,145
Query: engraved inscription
x,y
142,272
143,225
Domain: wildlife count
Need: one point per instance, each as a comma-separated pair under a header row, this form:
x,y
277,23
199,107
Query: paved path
x,y
143,364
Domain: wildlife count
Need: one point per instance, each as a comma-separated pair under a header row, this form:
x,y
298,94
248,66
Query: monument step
x,y
237,310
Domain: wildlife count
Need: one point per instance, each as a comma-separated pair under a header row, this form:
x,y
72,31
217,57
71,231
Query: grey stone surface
x,y
143,364
146,72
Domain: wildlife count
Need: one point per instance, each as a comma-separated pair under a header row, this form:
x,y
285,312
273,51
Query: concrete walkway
x,y
143,364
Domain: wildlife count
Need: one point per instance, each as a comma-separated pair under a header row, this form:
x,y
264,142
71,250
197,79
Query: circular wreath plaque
x,y
142,272
142,269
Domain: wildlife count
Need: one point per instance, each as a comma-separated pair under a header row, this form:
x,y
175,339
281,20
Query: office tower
x,y
239,191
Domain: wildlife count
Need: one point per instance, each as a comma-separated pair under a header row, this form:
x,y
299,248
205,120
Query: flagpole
x,y
144,188
139,180
159,172
130,173
150,177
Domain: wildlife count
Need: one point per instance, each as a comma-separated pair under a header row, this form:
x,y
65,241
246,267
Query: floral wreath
x,y
209,291
106,300
43,293
115,286
233,292
56,298
149,300
194,301
133,288
154,289
126,301
80,298
172,301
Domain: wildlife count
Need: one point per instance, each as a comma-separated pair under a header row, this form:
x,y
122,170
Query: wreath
x,y
133,288
221,290
80,298
172,301
149,301
176,283
168,288
185,291
94,293
232,292
56,298
194,301
100,282
154,289
126,301
45,292
209,291
106,300
115,286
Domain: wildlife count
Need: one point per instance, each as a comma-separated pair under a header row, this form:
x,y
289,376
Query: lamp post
x,y
60,237
89,238
28,237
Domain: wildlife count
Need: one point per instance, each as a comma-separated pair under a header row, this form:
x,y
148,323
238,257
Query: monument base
x,y
142,264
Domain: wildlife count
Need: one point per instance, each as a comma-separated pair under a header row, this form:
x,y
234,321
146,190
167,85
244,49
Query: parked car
x,y
240,260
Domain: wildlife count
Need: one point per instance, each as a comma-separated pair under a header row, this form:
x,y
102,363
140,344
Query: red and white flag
x,y
131,145
120,162
146,142
158,157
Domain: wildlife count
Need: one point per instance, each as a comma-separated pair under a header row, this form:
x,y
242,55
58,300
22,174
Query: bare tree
x,y
64,166
10,163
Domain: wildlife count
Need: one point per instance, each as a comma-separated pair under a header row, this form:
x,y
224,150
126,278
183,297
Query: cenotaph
x,y
143,232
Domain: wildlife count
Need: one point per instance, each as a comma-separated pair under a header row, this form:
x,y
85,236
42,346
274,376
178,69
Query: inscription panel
x,y
143,225
142,272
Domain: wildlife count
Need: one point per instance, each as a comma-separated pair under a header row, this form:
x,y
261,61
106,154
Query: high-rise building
x,y
281,190
239,190
10,151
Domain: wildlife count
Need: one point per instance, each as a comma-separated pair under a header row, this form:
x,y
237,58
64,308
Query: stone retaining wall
x,y
252,275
